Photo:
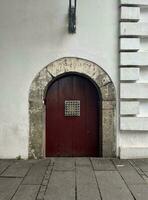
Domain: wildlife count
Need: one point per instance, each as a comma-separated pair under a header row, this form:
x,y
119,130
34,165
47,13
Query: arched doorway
x,y
37,108
73,109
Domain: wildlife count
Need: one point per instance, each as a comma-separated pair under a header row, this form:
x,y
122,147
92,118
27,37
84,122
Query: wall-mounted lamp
x,y
72,16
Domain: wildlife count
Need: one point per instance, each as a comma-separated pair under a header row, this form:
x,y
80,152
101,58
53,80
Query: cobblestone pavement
x,y
74,179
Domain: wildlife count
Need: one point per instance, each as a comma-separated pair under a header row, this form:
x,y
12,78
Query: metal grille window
x,y
72,108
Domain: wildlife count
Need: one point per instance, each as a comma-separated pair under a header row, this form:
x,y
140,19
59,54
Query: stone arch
x,y
37,108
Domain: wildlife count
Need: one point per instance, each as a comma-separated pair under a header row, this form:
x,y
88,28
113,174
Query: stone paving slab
x,y
8,187
140,192
4,164
74,179
122,164
26,192
142,164
83,162
87,187
61,186
36,173
112,186
146,173
128,172
102,164
17,169
64,164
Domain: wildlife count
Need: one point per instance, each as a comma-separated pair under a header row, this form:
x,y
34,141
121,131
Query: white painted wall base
x,y
133,152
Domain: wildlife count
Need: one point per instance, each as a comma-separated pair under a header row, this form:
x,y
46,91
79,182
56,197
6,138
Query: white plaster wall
x,y
34,33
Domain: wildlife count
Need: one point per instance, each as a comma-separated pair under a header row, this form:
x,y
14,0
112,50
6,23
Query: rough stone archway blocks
x,y
37,108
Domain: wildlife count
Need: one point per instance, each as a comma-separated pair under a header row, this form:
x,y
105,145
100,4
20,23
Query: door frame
x,y
99,105
37,94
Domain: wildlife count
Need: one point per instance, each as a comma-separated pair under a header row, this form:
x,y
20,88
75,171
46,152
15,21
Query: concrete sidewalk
x,y
74,179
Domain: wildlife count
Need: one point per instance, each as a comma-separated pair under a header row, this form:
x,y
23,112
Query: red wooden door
x,y
72,135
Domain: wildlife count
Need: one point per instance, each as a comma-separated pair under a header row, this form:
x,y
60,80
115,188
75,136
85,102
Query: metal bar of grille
x,y
72,108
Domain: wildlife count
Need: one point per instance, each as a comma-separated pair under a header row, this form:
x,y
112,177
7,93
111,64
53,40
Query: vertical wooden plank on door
x,y
78,123
92,118
52,113
65,123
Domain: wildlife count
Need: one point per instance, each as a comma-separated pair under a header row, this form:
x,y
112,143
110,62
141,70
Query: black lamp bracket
x,y
72,16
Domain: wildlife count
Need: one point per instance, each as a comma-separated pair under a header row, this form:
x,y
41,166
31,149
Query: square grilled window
x,y
72,108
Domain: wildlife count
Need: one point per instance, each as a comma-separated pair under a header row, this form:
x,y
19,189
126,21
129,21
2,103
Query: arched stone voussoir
x,y
74,65
108,92
38,85
102,79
